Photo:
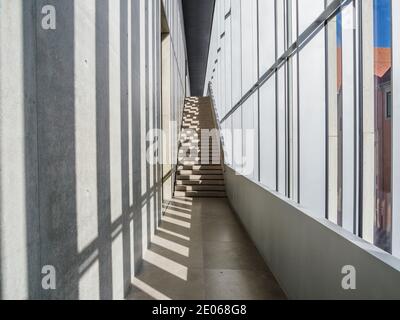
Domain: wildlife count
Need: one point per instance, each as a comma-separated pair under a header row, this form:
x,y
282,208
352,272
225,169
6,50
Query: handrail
x,y
210,93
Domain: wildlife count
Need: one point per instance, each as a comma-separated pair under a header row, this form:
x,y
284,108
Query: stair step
x,y
200,194
203,162
196,135
197,128
195,125
196,151
197,119
195,147
207,157
200,156
193,153
197,132
204,111
198,105
200,167
198,123
199,163
199,172
195,116
197,139
200,177
186,149
200,182
201,188
199,145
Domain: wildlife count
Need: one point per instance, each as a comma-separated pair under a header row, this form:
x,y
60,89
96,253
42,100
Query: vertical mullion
x,y
288,24
361,123
396,130
327,92
277,97
258,97
298,106
356,48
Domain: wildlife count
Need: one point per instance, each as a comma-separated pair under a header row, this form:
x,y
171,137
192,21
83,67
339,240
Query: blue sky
x,y
383,19
382,23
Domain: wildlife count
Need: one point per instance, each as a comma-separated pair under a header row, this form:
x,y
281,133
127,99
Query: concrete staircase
x,y
199,172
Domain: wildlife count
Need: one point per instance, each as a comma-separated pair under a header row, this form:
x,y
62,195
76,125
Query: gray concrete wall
x,y
77,192
306,254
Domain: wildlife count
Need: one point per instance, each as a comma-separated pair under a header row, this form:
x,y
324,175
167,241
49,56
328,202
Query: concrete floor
x,y
201,252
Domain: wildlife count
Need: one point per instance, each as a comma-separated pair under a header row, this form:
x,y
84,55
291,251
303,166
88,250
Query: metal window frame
x,y
291,51
302,40
395,129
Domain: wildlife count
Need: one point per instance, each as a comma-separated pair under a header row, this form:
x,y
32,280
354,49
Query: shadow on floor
x,y
201,252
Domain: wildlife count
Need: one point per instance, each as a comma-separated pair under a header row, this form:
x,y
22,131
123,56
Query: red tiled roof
x,y
383,61
382,64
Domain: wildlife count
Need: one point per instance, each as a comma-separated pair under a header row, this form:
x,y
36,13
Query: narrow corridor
x,y
201,251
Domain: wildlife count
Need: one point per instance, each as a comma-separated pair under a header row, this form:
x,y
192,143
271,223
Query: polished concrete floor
x,y
201,252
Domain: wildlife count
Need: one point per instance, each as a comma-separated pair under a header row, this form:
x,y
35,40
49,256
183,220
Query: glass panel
x,y
250,137
266,11
228,65
293,128
268,134
280,25
309,10
341,118
237,126
312,119
281,129
335,113
236,52
249,44
383,124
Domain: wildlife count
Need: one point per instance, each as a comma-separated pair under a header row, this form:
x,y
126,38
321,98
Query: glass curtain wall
x,y
312,80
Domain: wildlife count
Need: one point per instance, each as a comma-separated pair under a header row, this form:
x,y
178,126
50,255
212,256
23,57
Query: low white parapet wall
x,y
308,255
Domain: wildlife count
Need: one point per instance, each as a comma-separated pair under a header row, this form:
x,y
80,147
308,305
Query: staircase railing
x,y
216,118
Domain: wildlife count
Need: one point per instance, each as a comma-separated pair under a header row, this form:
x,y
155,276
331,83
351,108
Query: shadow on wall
x,y
31,151
169,256
56,151
53,226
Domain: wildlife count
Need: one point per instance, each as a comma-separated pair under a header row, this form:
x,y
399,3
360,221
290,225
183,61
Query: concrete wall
x,y
306,254
77,192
